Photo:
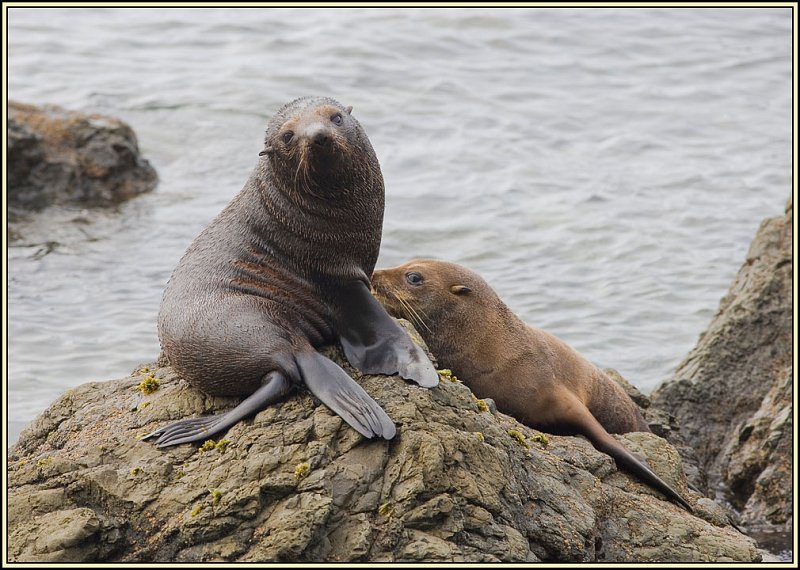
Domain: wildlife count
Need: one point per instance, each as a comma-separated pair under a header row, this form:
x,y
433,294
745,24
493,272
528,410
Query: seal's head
x,y
434,295
319,148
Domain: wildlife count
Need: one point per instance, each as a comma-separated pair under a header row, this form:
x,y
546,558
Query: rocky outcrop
x,y
56,156
732,395
458,483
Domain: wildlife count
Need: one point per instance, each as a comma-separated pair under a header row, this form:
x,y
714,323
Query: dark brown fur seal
x,y
530,374
284,269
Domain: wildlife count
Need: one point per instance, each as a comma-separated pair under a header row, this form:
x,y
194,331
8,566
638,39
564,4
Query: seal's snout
x,y
376,282
321,138
318,135
380,282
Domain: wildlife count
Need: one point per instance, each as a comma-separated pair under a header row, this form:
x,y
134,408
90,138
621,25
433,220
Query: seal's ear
x,y
460,289
267,150
349,109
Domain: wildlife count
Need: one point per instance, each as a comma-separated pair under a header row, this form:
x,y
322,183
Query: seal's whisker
x,y
305,175
412,312
422,311
297,172
419,318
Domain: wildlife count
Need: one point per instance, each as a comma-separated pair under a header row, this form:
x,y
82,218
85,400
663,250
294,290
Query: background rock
x,y
297,484
56,156
732,395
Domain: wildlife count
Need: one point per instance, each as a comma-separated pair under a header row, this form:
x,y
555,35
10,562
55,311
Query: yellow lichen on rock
x,y
447,374
386,510
480,403
301,471
148,385
540,438
216,495
519,438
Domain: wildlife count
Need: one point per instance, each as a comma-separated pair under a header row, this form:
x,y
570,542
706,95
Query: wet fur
x,y
283,270
259,271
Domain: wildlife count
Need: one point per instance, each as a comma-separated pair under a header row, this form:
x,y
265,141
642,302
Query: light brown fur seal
x,y
529,373
283,270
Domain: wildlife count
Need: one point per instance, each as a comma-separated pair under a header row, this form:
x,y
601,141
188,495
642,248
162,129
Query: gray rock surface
x,y
295,483
732,395
56,156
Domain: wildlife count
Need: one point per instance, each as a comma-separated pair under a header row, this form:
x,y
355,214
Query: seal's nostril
x,y
321,138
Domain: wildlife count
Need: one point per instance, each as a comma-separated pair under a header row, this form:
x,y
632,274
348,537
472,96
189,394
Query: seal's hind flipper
x,y
642,470
588,425
375,344
276,386
328,382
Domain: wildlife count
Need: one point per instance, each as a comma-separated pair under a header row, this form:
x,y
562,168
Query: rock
x,y
732,394
295,483
56,156
70,535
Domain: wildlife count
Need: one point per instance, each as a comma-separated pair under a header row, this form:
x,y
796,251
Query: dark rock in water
x,y
295,483
732,395
56,156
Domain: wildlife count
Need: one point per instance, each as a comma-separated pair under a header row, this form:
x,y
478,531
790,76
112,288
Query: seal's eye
x,y
414,278
287,136
336,118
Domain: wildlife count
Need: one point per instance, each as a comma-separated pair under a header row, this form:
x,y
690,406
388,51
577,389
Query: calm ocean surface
x,y
604,169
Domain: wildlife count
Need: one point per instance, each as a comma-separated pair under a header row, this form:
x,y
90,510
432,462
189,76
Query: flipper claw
x,y
192,430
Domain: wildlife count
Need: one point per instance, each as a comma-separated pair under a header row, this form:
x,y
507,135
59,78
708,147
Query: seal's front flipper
x,y
328,382
375,344
276,386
